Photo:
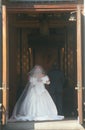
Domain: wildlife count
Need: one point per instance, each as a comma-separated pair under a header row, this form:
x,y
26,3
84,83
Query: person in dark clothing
x,y
56,86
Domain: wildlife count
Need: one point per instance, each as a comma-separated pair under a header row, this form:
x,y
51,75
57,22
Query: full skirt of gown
x,y
35,104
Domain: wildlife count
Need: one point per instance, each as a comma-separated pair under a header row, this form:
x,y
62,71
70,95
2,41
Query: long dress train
x,y
35,103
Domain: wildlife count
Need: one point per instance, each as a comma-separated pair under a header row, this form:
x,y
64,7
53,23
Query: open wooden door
x,y
0,65
83,50
79,65
84,67
4,65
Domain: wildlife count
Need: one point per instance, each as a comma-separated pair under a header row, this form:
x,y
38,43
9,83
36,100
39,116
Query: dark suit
x,y
56,87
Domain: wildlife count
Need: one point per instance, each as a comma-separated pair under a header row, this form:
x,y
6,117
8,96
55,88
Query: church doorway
x,y
42,38
44,43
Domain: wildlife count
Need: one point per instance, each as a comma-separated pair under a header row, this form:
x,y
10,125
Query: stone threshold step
x,y
44,125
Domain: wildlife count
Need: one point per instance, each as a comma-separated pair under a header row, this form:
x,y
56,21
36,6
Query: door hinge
x,y
1,88
4,87
78,86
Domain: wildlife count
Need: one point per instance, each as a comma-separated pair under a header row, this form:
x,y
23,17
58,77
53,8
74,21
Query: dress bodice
x,y
38,84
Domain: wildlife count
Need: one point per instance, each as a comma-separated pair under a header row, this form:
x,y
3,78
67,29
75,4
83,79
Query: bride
x,y
35,103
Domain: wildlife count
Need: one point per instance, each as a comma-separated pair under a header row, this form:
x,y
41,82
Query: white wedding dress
x,y
37,104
